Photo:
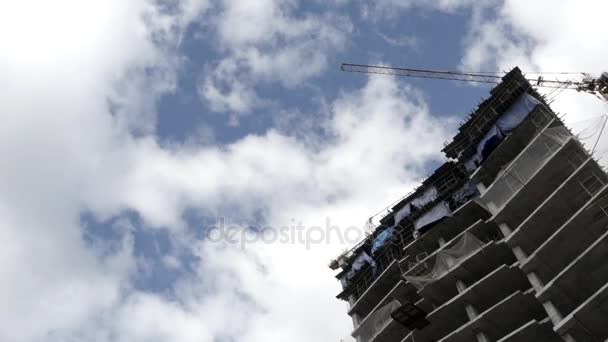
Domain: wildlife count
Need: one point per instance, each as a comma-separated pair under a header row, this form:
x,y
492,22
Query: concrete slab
x,y
533,331
377,290
556,209
580,280
582,229
472,269
391,332
535,122
482,295
501,319
402,292
462,218
588,321
550,174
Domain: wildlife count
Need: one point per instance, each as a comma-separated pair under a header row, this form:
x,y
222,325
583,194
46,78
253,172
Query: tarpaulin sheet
x,y
505,124
362,259
438,212
468,191
429,195
403,213
516,113
382,238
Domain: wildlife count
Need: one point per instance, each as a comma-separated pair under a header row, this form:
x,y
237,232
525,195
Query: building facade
x,y
506,242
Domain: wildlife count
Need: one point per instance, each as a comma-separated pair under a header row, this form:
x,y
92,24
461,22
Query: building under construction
x,y
506,241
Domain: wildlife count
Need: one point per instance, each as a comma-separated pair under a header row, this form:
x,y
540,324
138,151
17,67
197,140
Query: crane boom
x,y
585,85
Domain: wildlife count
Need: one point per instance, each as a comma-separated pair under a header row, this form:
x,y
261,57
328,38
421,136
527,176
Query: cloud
x,y
405,41
266,42
391,9
279,291
80,89
61,147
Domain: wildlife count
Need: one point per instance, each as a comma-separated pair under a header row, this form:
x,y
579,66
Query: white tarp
x,y
403,213
516,113
446,259
344,281
493,134
376,321
362,259
504,125
438,212
429,195
468,191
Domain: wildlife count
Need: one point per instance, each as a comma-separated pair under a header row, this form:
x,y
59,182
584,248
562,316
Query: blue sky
x,y
391,42
184,170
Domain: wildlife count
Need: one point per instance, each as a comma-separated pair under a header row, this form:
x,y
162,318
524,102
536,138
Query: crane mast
x,y
588,84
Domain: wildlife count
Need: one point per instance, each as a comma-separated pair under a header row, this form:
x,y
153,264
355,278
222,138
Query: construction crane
x,y
597,86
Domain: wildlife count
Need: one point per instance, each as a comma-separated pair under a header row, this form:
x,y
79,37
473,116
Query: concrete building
x,y
506,242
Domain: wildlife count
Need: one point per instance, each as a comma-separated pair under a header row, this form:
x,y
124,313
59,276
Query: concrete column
x,y
553,313
481,188
356,320
460,286
520,254
505,229
441,241
471,311
491,207
351,300
535,281
482,337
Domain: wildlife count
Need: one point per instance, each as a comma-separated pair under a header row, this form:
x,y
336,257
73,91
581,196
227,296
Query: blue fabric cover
x,y
505,124
382,238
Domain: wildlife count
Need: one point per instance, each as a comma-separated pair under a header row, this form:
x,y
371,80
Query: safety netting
x,y
593,134
518,173
376,321
445,259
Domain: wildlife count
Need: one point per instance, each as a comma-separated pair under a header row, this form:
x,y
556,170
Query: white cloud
x,y
78,106
61,148
278,292
63,151
380,10
265,42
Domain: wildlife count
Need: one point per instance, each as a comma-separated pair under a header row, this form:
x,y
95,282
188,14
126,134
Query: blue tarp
x,y
516,113
505,124
382,238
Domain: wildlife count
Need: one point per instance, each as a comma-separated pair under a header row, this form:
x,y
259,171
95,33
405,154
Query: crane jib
x,y
491,77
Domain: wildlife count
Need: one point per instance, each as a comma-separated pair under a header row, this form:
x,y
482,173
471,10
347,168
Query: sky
x,y
184,170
